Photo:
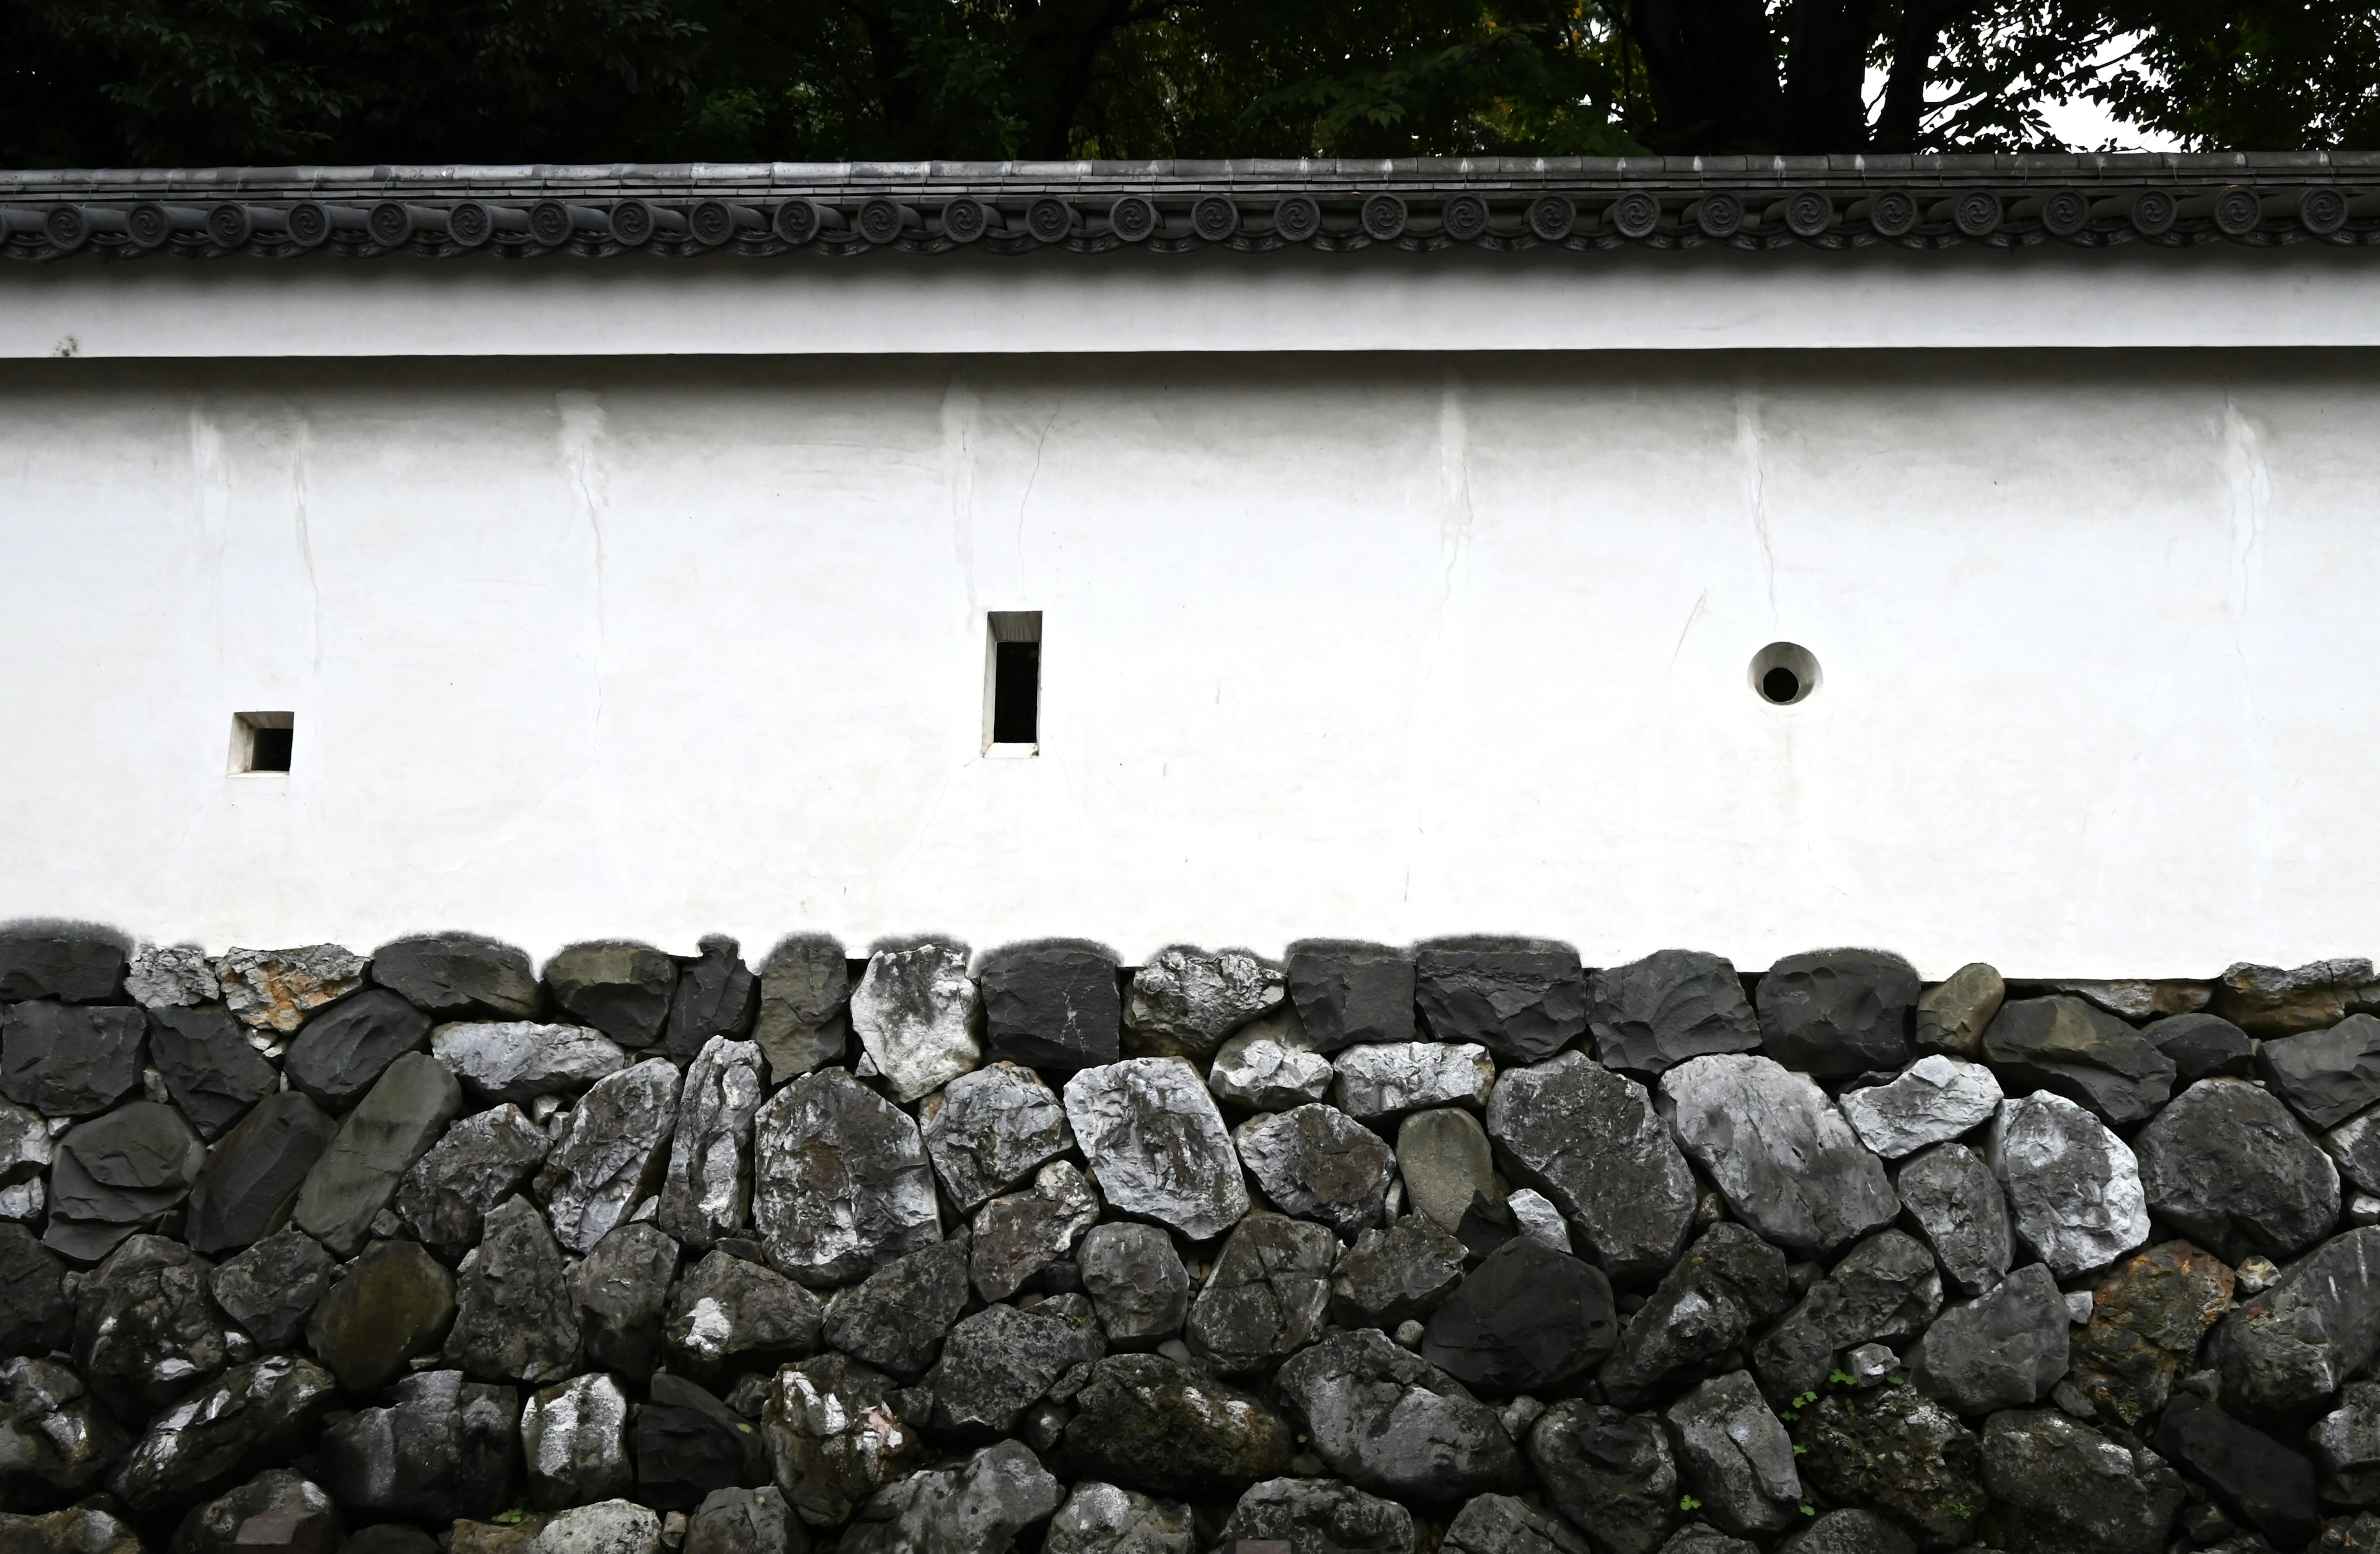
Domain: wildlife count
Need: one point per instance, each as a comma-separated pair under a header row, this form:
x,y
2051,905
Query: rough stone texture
x,y
1393,1276
479,1161
145,1333
68,1059
976,1508
707,1187
521,1060
1185,1001
610,1154
1391,1422
2345,1443
741,1521
1319,1163
1610,1473
2074,1192
276,989
897,1317
249,1184
76,1530
1899,1452
1651,1014
1849,1532
1727,1281
26,1152
1802,1178
840,1185
727,1311
575,1442
1522,1000
1446,1162
1885,1289
1953,1014
1155,1143
2326,1076
1105,1519
1837,1012
55,1440
1018,1235
75,963
1266,1297
2202,1046
717,995
270,1289
2268,1002
209,1068
1379,1080
2227,1165
127,1168
2255,1475
1935,1099
1268,1066
990,1129
277,1510
2002,1350
36,1316
916,1013
377,1143
1347,993
443,1448
834,1438
1528,1320
2086,1054
1318,1516
687,1445
2300,1340
1051,1006
516,1320
1155,1424
1591,1141
1696,1538
171,976
622,1290
2065,1489
621,989
1955,1202
1735,1457
2147,1318
2354,1147
392,1304
250,1416
998,1361
803,1021
458,975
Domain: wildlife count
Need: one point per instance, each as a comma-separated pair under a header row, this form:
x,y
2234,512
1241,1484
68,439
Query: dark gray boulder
x,y
622,1290
1849,1532
209,1068
1502,1524
1952,1014
278,1510
1315,1515
69,1060
36,1316
515,1319
74,963
1522,1000
251,1181
1137,1282
707,1186
1955,1202
391,1306
476,1164
1152,1424
145,1333
2255,1475
2065,1489
2002,1350
1802,1178
271,1288
1397,1275
2268,1002
1391,1422
997,1363
1697,1537
443,1448
2298,1342
1837,1013
2326,1076
840,1185
1446,1162
611,1153
1592,1142
1055,1007
1151,1134
896,1319
717,995
2345,1443
1885,1289
1894,1449
728,1312
1528,1320
2071,1048
342,1050
1735,1456
1651,1016
521,1060
1319,1163
575,1443
740,1521
82,1529
2228,1166
990,1129
1347,993
620,987
687,1444
245,1420
458,975
803,1019
377,1143
1106,1519
1729,1281
1019,1234
1609,1471
127,1168
975,1507
2202,1046
834,1437
1266,1297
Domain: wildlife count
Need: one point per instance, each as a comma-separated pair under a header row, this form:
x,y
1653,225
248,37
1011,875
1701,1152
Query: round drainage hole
x,y
1784,673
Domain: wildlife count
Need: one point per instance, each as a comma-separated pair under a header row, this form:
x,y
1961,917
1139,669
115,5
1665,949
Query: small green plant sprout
x,y
1800,1450
1809,1510
1687,1502
1841,1379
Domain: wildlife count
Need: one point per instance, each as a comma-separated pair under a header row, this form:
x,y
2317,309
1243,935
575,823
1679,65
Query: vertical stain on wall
x,y
962,424
1748,438
301,444
583,439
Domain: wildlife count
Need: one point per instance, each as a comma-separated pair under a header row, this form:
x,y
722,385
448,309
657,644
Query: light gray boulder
x,y
171,976
605,1527
1318,1515
978,1507
1268,1066
1535,1215
611,1152
1735,1456
2074,1191
1935,1099
1157,1144
1103,1519
1957,1205
1185,1001
575,1442
1591,1141
1316,1162
707,1187
1801,1178
841,1184
521,1060
990,1129
275,990
2006,1349
1384,1079
919,1017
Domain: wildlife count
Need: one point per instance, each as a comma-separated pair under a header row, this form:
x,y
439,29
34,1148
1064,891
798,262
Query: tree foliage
x,y
115,82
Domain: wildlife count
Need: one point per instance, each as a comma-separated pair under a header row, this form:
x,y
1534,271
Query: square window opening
x,y
262,741
1012,683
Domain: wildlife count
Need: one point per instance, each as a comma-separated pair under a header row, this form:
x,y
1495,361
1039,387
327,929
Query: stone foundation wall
x,y
1365,1250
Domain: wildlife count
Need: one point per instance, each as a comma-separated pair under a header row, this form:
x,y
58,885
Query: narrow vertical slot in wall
x,y
1012,683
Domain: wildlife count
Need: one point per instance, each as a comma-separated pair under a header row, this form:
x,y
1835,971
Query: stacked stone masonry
x,y
1463,1248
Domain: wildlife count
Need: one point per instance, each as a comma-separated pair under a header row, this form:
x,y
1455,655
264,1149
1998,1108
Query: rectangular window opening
x,y
1012,684
262,741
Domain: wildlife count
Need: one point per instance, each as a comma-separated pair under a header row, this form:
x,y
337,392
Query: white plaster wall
x,y
1378,645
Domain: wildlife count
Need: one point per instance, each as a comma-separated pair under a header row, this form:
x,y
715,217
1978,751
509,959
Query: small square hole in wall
x,y
1011,687
262,741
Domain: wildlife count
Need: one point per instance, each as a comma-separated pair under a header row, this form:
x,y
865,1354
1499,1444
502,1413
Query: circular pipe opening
x,y
1784,673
